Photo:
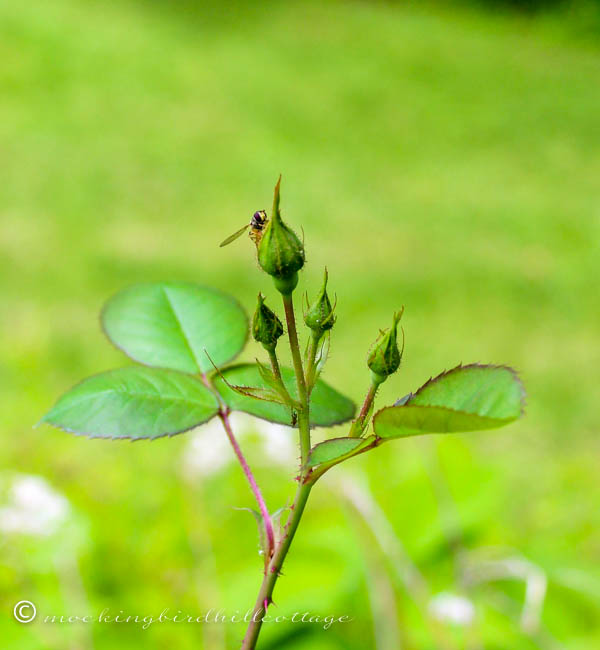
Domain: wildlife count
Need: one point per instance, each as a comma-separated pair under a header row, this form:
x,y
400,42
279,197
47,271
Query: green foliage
x,y
466,398
327,406
175,325
486,390
335,449
134,403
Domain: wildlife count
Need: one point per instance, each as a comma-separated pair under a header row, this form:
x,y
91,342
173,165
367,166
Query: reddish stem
x,y
224,415
368,401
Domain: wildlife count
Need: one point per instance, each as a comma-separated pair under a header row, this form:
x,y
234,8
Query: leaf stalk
x,y
224,417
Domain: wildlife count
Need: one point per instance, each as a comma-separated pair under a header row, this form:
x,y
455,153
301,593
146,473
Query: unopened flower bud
x,y
384,359
280,252
266,327
319,316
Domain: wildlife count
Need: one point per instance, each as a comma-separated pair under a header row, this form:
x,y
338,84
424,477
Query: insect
x,y
257,225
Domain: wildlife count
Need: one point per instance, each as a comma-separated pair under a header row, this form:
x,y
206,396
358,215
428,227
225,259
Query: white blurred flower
x,y
490,564
33,508
452,608
209,450
278,442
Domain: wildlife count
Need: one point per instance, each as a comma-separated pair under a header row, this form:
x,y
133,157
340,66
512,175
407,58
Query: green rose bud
x,y
319,316
266,327
280,252
384,359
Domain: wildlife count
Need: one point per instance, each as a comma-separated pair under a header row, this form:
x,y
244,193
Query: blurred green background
x,y
442,157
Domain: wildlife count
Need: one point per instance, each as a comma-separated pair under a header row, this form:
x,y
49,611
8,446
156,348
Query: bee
x,y
257,225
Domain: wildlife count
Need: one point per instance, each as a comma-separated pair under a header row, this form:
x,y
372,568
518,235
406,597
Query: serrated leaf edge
x,y
501,421
461,366
93,436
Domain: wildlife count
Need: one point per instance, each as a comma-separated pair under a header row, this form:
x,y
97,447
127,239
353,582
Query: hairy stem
x,y
275,364
368,401
224,416
358,426
273,569
303,416
313,348
264,598
278,378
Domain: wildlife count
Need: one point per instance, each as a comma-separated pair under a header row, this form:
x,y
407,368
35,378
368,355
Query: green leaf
x,y
487,390
134,402
327,406
466,398
173,325
336,449
265,394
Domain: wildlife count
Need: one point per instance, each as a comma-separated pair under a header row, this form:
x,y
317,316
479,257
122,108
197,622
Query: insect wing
x,y
233,237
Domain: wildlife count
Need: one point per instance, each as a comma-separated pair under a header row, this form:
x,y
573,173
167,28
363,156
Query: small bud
x,y
384,359
266,327
319,316
280,252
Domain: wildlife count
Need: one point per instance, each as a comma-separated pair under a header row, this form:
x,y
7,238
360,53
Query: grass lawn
x,y
444,160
